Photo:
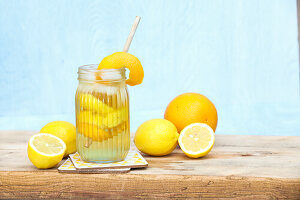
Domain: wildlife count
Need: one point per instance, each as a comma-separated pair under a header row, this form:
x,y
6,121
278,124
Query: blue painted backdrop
x,y
243,55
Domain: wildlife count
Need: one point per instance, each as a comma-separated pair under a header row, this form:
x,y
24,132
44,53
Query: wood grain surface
x,y
239,167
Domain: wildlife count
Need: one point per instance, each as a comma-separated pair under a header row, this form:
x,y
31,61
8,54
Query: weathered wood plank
x,y
257,156
239,167
52,185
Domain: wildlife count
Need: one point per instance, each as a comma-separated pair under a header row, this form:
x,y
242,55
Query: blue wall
x,y
243,55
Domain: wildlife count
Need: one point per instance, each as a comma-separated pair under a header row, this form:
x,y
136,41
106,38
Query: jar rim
x,y
94,68
91,73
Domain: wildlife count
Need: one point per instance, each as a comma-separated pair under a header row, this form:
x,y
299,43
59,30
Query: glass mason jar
x,y
102,115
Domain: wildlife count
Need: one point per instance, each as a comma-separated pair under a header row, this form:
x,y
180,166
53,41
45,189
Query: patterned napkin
x,y
133,160
68,167
74,164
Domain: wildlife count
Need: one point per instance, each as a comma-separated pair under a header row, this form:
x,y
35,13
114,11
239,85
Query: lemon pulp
x,y
196,140
47,145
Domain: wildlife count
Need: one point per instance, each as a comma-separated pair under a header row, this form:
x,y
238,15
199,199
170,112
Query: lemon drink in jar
x,y
102,108
102,115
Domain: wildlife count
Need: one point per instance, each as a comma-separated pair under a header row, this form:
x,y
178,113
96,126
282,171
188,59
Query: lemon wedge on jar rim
x,y
45,150
196,140
122,59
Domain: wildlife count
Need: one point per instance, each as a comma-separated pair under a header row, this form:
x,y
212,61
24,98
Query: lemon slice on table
x,y
45,150
196,140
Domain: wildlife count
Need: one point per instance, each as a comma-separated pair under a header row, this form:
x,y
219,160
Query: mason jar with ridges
x,y
102,115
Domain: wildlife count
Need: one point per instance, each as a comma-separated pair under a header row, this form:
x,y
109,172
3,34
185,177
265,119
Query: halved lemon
x,y
45,150
196,140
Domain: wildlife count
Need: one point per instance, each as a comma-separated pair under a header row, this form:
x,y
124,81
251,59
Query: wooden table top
x,y
238,166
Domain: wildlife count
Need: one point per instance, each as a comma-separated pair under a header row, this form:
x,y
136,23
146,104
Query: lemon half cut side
x,y
45,150
196,140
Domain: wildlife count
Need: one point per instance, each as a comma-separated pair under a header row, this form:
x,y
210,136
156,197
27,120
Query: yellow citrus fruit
x,y
156,137
196,140
98,134
45,150
108,120
90,102
65,131
93,132
190,108
122,59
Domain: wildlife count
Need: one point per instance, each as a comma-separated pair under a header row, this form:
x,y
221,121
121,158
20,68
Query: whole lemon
x,y
156,137
65,131
189,108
